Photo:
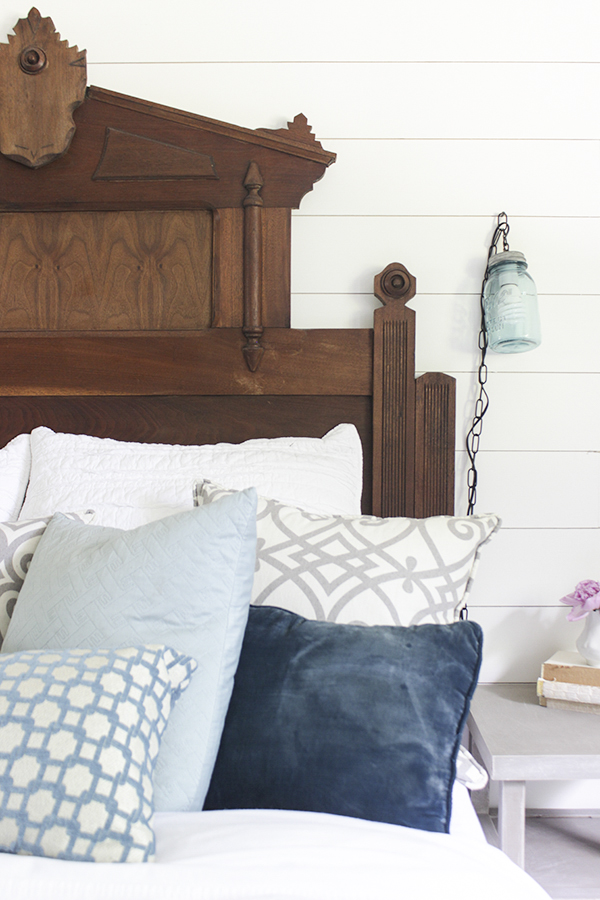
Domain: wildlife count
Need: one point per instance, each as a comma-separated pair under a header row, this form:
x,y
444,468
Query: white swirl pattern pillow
x,y
18,540
362,569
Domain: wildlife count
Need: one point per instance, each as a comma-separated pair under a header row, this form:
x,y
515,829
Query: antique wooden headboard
x,y
145,285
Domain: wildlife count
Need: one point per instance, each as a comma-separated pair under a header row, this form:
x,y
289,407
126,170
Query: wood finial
x,y
395,283
253,182
42,81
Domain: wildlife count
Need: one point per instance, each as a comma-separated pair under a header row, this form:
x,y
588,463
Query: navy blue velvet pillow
x,y
347,719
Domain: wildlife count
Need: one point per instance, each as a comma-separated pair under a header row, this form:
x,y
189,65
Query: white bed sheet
x,y
464,822
282,855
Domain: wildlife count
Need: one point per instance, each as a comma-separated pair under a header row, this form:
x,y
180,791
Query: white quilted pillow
x,y
15,463
131,484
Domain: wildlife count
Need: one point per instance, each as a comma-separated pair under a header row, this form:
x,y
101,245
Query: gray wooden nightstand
x,y
519,741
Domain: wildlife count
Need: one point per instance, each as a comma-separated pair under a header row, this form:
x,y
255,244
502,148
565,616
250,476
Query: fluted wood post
x,y
413,420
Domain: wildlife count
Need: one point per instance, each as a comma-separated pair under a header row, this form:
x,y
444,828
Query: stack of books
x,y
567,682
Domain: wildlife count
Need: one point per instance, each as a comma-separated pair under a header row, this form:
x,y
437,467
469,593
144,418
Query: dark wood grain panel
x,y
277,246
192,420
323,361
228,268
123,271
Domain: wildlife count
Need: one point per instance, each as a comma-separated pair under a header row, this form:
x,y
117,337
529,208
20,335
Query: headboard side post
x,y
434,445
253,327
394,394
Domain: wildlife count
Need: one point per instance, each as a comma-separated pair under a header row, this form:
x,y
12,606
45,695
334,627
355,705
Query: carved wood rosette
x,y
253,327
413,419
42,81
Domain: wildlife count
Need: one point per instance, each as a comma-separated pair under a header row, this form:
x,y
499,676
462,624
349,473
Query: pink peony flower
x,y
584,599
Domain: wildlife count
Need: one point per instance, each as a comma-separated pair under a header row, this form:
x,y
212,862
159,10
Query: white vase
x,y
588,642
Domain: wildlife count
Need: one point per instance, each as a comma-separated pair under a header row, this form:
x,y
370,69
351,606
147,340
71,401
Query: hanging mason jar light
x,y
510,305
510,323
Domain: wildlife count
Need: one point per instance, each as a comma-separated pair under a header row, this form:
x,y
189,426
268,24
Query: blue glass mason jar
x,y
510,304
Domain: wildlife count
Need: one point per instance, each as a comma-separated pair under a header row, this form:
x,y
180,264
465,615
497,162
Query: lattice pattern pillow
x,y
80,732
18,540
361,569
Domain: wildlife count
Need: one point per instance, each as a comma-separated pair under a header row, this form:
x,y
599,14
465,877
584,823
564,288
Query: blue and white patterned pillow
x,y
80,733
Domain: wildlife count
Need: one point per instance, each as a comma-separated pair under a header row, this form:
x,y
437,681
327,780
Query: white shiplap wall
x,y
442,115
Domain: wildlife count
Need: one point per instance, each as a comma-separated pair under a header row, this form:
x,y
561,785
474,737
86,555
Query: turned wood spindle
x,y
253,327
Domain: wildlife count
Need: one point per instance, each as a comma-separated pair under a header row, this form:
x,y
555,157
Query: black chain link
x,y
483,400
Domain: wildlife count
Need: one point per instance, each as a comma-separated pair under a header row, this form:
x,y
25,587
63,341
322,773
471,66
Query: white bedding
x,y
282,855
129,484
272,854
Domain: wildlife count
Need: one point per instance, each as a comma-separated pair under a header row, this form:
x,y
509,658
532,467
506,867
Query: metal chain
x,y
483,400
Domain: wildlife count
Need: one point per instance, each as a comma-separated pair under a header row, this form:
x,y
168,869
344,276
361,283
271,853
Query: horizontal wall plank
x,y
535,490
327,30
333,254
459,177
330,310
544,411
535,567
342,101
448,329
516,640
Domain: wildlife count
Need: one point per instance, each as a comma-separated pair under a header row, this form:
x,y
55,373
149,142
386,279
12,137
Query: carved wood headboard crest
x,y
230,191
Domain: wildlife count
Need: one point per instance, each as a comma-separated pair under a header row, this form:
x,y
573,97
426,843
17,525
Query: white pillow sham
x,y
15,463
131,484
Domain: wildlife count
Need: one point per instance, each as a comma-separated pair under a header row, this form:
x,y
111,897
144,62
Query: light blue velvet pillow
x,y
184,581
80,732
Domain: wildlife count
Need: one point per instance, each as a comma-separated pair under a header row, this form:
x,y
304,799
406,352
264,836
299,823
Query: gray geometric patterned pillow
x,y
18,541
80,734
361,569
